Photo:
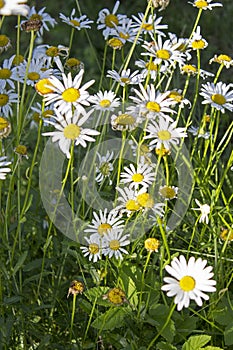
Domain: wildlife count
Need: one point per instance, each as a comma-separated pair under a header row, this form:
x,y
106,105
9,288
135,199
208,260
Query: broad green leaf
x,y
111,319
196,342
228,334
165,346
211,348
96,294
158,317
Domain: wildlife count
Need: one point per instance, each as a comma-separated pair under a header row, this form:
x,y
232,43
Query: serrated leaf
x,y
111,319
196,342
165,346
95,295
20,262
228,334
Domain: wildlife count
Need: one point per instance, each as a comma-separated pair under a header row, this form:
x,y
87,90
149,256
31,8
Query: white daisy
x,y
125,32
76,22
108,20
5,43
150,68
225,60
125,121
218,95
104,167
128,200
94,248
178,98
146,201
36,71
164,133
69,129
4,170
125,77
181,44
150,25
151,103
14,7
205,210
205,4
197,42
143,176
189,281
7,97
43,113
104,222
113,243
7,75
191,69
51,54
68,94
104,101
42,16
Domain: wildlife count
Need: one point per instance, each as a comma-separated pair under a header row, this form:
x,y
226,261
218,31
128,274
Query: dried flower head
x,y
76,287
116,296
5,127
160,3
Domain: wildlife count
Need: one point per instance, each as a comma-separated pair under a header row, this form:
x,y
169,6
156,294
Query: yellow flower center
x,y
42,86
198,44
3,123
75,22
105,168
110,19
5,127
116,296
189,69
167,192
151,66
125,80
36,16
187,283
21,150
224,58
124,120
115,43
147,26
4,40
70,95
105,103
132,205
175,96
137,177
33,76
164,135
48,113
201,3
163,54
93,248
153,106
2,4
72,62
145,200
226,234
218,98
144,149
3,99
124,36
103,228
17,60
151,244
71,131
52,51
114,244
5,73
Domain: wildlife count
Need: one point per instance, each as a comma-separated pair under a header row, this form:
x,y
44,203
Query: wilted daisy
x,y
199,132
69,129
7,97
142,151
5,127
197,42
125,121
168,192
4,170
5,43
93,249
14,7
104,101
104,167
205,210
125,77
164,133
76,22
35,72
128,201
108,20
51,54
161,4
218,95
225,60
68,94
143,175
113,244
150,25
76,287
181,44
43,17
116,296
104,222
152,103
205,4
189,281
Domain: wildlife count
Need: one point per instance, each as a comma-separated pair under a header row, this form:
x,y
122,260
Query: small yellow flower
x,y
116,296
226,234
21,150
42,87
73,64
76,287
152,244
5,127
115,43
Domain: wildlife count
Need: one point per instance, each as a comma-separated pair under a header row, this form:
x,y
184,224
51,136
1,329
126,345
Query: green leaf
x,y
228,334
111,319
212,348
157,317
196,342
20,262
165,346
95,295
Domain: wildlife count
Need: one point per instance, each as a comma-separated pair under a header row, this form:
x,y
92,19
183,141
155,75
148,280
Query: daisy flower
x,y
42,113
42,16
6,99
125,32
150,68
94,248
218,95
143,176
142,151
128,201
164,53
5,127
113,244
108,20
36,71
164,133
14,7
197,42
225,60
151,25
69,129
104,101
4,170
189,281
104,221
181,44
151,103
168,192
7,75
51,54
125,121
68,94
146,201
104,167
76,22
204,4
178,98
125,78
5,43
205,210
191,69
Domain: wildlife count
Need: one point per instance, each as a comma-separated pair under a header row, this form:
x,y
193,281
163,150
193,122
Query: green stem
x,y
72,316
